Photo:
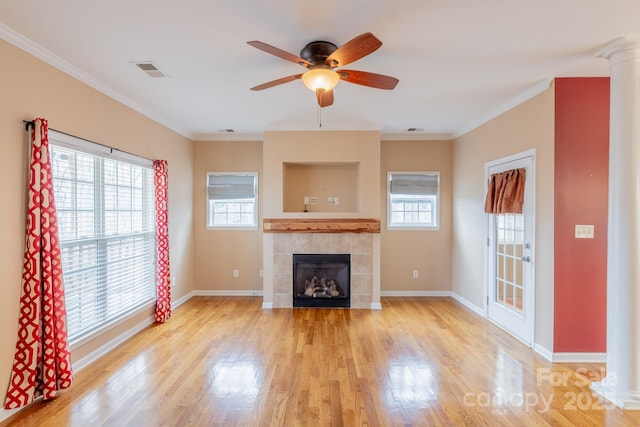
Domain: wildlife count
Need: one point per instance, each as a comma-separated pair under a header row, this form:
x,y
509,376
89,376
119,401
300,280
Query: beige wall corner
x,y
529,125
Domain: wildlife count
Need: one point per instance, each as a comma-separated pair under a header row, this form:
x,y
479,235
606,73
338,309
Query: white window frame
x,y
148,296
435,199
210,225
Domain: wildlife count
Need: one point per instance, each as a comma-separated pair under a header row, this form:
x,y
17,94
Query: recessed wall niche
x,y
322,184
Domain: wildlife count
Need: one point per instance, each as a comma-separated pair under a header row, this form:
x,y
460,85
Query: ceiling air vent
x,y
150,69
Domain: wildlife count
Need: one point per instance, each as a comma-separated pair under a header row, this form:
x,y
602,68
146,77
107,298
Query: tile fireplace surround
x,y
358,237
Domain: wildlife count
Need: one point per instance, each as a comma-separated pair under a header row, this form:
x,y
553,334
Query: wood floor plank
x,y
223,361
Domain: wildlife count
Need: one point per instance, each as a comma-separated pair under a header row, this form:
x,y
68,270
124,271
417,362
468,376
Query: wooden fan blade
x,y
353,50
280,53
277,82
325,97
379,81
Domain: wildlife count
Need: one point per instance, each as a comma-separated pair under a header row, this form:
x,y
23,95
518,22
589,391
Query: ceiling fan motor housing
x,y
317,52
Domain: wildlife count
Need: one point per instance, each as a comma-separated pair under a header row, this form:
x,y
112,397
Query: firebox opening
x,y
321,280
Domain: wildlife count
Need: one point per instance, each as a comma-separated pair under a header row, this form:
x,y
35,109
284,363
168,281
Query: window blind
x,y
423,184
229,187
106,222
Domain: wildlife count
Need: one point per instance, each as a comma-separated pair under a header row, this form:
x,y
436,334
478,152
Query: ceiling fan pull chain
x,y
319,116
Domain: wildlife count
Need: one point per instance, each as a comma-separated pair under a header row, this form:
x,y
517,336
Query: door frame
x,y
488,256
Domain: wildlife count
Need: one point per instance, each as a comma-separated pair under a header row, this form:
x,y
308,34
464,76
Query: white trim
x,y
109,346
616,45
579,358
227,136
415,293
6,413
376,306
227,293
416,136
177,303
384,136
612,396
533,91
542,351
471,306
115,342
525,157
609,393
267,305
50,58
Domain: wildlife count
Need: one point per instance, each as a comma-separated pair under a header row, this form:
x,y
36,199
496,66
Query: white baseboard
x,y
542,351
579,358
376,306
415,293
106,348
209,293
178,302
471,306
6,413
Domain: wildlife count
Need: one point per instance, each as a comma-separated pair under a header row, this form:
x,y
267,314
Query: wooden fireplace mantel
x,y
324,225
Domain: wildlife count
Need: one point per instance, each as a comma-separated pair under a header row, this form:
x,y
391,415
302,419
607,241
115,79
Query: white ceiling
x,y
459,62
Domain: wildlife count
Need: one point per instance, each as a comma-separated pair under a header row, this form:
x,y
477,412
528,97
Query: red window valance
x,y
506,192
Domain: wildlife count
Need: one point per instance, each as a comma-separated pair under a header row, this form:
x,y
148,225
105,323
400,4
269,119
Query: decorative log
x,y
325,225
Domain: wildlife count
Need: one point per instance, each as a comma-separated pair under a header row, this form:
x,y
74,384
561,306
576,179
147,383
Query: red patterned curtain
x,y
506,192
42,362
163,274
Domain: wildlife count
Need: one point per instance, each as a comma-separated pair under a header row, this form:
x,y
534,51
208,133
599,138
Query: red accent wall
x,y
581,179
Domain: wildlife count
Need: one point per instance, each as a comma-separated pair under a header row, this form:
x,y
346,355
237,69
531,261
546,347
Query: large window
x,y
106,223
232,200
413,199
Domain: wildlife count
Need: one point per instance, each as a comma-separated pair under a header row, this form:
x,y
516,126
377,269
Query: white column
x,y
622,385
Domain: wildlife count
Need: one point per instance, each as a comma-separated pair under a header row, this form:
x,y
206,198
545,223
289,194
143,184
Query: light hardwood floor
x,y
223,361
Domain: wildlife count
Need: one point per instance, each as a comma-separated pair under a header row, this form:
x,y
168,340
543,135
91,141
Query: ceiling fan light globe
x,y
320,78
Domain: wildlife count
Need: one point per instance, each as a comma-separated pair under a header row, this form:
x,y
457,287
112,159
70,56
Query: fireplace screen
x,y
321,280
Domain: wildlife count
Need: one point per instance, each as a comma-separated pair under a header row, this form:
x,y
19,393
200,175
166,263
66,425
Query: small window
x,y
413,199
232,200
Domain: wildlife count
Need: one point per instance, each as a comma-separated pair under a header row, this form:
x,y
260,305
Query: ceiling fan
x,y
321,58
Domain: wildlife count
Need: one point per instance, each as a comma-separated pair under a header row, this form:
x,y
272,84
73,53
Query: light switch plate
x,y
584,231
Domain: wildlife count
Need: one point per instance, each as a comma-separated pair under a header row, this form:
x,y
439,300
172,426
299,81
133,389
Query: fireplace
x,y
321,280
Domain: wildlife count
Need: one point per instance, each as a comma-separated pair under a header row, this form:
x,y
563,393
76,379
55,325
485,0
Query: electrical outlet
x,y
173,281
313,200
415,274
236,273
261,273
306,200
329,200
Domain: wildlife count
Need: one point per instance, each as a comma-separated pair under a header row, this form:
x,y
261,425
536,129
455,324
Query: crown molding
x,y
631,42
384,136
227,136
416,136
533,91
50,58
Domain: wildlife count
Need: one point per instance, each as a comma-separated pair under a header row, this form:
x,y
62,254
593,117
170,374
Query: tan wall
x,y
530,125
428,251
362,147
219,252
30,89
321,181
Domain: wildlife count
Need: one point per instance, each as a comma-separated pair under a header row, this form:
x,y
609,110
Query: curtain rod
x,y
28,123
